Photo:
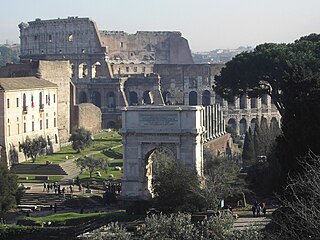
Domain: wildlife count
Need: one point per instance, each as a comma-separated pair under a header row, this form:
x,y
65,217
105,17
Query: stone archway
x,y
243,126
193,98
96,99
179,130
83,97
206,98
133,98
253,123
232,123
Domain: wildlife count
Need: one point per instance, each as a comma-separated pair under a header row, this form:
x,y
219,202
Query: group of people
x,y
56,188
258,209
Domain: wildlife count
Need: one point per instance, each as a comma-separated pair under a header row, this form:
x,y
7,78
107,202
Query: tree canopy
x,y
289,73
80,138
33,148
8,55
91,164
8,188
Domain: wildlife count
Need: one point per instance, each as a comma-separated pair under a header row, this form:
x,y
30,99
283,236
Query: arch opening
x,y
96,99
193,98
83,70
111,98
147,97
243,126
133,98
156,159
206,98
83,97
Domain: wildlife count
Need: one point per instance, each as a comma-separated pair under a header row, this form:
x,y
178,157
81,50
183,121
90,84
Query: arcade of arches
x,y
242,125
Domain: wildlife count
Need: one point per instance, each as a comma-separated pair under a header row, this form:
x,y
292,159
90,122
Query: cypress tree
x,y
248,153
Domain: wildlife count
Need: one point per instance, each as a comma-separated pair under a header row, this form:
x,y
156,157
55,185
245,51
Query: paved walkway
x,y
246,220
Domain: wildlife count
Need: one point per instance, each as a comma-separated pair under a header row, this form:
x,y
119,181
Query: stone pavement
x,y
246,220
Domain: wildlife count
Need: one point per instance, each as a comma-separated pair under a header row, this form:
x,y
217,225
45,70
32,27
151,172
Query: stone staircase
x,y
44,200
38,169
70,168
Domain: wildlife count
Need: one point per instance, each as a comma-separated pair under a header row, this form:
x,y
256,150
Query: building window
x,y
9,133
135,69
121,44
8,120
24,127
70,37
47,123
54,98
40,124
50,38
18,128
17,102
56,138
143,69
127,69
35,37
8,103
32,126
24,103
55,122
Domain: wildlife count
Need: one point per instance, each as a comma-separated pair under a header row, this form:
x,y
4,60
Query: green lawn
x,y
102,141
85,176
31,179
72,218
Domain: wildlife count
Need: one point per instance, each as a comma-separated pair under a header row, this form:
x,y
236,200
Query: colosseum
x,y
113,69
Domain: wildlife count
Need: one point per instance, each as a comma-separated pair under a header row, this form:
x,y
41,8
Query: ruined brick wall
x,y
45,39
89,117
59,72
217,147
149,47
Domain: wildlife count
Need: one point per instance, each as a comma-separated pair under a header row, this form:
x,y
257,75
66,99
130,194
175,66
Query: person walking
x,y
258,210
253,209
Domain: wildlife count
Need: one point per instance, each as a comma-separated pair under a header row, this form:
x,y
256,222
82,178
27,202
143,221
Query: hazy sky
x,y
207,24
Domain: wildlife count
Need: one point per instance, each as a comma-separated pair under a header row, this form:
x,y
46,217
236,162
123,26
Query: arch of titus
x,y
178,130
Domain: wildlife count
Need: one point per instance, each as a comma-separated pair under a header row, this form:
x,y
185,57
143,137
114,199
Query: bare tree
x,y
299,216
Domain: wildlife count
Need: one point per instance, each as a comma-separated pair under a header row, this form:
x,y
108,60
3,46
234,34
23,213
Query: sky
x,y
207,24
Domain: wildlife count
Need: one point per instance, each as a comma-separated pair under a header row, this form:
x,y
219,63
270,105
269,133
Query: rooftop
x,y
24,83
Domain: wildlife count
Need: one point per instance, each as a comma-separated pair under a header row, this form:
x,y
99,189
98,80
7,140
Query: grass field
x,y
72,218
102,141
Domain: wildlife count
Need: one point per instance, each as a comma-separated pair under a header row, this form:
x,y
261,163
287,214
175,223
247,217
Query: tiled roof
x,y
24,83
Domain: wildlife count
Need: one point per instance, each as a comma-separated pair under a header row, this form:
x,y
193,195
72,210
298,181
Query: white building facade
x,y
28,108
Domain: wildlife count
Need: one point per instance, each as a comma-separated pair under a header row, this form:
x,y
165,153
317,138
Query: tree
x,y
181,226
80,139
299,216
8,188
248,152
90,164
221,181
173,186
289,73
33,148
7,55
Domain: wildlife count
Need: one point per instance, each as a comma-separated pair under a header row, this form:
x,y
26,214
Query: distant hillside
x,y
9,54
218,55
